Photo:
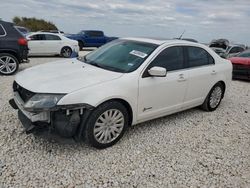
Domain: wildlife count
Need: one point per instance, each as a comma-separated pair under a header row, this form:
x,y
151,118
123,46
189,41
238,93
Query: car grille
x,y
24,93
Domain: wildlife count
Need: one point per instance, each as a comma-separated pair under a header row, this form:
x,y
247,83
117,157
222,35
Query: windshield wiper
x,y
95,64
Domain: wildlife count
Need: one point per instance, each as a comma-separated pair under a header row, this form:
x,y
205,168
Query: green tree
x,y
34,24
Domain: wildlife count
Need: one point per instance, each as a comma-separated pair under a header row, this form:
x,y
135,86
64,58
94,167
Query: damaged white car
x,y
123,83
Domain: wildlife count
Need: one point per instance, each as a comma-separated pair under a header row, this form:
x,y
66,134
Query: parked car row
x,y
53,42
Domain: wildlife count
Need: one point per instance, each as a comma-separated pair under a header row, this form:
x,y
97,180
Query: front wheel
x,y
106,125
66,52
214,98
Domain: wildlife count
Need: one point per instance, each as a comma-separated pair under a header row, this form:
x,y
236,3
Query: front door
x,y
159,96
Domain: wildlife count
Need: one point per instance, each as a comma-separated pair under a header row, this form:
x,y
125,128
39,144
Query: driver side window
x,y
171,59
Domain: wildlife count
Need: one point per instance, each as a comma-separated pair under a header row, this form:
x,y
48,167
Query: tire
x,y
100,130
66,52
8,64
80,44
214,98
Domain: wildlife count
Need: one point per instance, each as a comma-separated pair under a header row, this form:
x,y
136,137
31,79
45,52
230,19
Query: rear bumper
x,y
241,72
24,54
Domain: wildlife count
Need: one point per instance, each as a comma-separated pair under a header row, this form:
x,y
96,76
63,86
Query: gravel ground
x,y
188,149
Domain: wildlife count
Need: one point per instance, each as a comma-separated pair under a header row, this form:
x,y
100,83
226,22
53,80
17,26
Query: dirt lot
x,y
189,149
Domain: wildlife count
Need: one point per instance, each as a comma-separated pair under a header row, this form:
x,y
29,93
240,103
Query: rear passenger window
x,y
95,34
198,57
171,58
37,37
52,37
2,31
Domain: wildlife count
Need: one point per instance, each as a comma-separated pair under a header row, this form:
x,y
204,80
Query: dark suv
x,y
13,48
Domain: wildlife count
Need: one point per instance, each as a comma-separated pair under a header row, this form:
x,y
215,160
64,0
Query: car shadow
x,y
71,143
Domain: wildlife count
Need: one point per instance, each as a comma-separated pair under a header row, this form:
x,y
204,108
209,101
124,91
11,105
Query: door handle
x,y
213,72
181,78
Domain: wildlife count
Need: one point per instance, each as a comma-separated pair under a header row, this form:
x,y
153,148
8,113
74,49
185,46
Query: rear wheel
x,y
214,98
106,125
66,52
8,64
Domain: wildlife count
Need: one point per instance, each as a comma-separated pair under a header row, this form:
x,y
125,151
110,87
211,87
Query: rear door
x,y
53,44
201,71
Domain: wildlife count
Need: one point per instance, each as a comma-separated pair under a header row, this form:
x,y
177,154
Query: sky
x,y
203,20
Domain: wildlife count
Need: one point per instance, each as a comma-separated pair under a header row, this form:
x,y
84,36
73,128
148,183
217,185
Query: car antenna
x,y
182,34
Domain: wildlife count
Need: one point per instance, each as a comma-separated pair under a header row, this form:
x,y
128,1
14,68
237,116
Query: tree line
x,y
34,24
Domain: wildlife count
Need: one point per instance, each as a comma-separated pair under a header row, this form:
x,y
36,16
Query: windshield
x,y
244,54
120,55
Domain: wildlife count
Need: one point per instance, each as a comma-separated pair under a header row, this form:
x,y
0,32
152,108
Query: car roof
x,y
160,41
92,31
39,32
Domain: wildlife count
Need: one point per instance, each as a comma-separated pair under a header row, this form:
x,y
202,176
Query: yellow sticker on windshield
x,y
138,54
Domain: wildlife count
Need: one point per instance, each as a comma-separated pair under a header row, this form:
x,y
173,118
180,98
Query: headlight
x,y
42,102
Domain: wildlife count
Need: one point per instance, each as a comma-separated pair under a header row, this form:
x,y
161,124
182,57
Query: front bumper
x,y
34,117
64,120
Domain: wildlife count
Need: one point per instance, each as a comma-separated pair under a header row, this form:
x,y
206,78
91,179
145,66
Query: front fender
x,y
97,94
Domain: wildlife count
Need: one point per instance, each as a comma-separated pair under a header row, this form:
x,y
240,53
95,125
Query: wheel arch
x,y
126,105
66,46
12,52
223,84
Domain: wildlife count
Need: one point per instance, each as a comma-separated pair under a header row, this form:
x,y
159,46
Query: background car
x,y
223,48
23,30
90,38
13,48
241,65
44,43
123,83
219,46
234,50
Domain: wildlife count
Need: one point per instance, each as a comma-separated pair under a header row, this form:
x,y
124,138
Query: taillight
x,y
22,42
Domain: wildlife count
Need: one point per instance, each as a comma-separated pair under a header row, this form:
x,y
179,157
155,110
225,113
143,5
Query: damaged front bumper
x,y
65,120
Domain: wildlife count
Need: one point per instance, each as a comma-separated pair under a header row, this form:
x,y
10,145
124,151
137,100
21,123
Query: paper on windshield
x,y
138,54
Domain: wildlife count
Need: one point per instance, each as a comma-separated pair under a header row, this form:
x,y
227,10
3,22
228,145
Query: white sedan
x,y
123,83
45,43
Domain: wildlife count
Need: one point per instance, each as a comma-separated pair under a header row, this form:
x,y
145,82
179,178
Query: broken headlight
x,y
42,102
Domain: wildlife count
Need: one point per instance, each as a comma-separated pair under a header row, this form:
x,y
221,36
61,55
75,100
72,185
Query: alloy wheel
x,y
66,52
215,97
8,65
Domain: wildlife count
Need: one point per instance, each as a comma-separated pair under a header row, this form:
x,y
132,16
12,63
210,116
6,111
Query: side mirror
x,y
157,72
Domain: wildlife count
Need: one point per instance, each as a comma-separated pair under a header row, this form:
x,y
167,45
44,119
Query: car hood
x,y
240,60
63,77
